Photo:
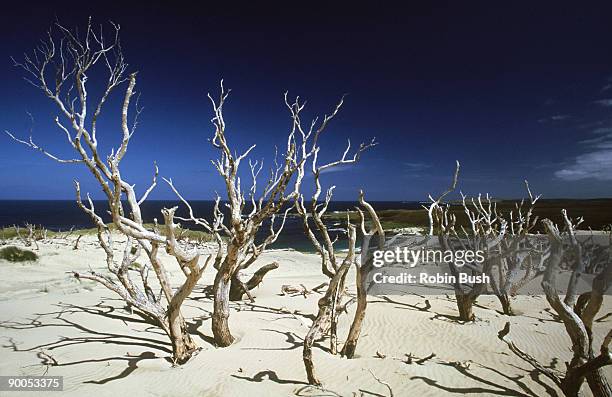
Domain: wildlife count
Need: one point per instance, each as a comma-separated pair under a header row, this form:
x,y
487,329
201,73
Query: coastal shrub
x,y
14,254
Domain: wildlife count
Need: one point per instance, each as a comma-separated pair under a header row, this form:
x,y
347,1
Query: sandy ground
x,y
103,350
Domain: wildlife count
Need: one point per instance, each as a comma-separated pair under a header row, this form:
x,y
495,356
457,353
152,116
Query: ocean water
x,y
61,215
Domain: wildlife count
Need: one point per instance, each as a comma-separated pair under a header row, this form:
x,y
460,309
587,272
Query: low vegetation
x,y
15,232
597,213
15,254
33,232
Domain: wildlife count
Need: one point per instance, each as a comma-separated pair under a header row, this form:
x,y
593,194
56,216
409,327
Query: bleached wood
x,y
70,59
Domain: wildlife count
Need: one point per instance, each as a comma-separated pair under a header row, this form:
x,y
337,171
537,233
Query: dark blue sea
x,y
62,215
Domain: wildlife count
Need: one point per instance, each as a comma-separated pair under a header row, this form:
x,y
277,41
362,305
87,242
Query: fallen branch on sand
x,y
301,289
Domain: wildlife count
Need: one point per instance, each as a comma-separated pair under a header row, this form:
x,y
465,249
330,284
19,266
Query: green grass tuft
x,y
14,254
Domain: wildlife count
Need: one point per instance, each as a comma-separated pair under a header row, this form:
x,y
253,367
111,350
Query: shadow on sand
x,y
489,387
158,348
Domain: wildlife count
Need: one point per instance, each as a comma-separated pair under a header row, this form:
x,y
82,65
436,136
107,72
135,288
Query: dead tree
x,y
520,255
363,267
33,234
514,256
328,308
578,319
61,66
248,209
76,242
577,311
242,248
30,238
330,305
484,232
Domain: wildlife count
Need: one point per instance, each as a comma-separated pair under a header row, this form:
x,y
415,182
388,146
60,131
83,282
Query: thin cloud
x,y
604,102
596,163
604,137
596,160
599,142
556,117
602,130
593,124
417,166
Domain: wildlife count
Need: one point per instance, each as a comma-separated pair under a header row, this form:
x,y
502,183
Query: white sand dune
x,y
102,349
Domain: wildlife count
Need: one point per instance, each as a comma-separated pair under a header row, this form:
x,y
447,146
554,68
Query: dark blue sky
x,y
512,93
